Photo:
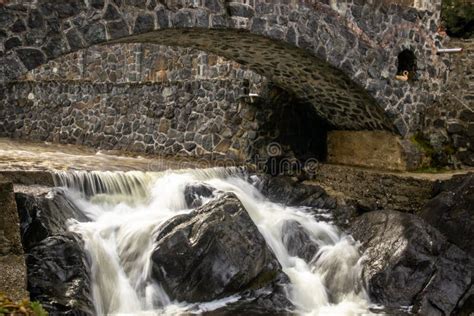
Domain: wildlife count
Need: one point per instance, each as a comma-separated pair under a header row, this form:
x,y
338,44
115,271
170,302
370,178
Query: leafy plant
x,y
458,18
23,307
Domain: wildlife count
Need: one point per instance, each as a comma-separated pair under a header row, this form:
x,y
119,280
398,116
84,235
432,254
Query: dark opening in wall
x,y
303,131
407,64
293,137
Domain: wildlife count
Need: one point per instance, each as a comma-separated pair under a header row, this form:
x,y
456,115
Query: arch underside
x,y
303,48
334,96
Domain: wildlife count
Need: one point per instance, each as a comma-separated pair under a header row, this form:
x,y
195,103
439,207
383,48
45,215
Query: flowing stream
x,y
127,208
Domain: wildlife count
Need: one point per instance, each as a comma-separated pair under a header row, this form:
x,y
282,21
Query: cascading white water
x,y
131,208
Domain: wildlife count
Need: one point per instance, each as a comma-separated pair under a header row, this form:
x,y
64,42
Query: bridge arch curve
x,y
341,63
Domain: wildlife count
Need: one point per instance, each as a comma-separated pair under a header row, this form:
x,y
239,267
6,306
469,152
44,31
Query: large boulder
x,y
45,215
59,275
290,192
298,242
451,211
217,251
410,263
58,266
196,193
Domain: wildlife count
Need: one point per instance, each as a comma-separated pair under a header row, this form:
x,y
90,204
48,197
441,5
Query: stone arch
x,y
331,59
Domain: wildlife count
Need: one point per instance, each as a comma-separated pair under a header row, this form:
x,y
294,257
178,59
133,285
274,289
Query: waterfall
x,y
132,207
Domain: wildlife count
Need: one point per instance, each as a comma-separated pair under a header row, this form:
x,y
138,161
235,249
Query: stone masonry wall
x,y
137,97
205,118
340,56
135,62
448,124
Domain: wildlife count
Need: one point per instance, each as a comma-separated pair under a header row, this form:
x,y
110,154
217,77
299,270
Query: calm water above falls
x,y
126,210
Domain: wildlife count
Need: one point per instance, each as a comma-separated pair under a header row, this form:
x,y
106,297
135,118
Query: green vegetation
x,y
434,159
422,144
430,170
24,307
458,18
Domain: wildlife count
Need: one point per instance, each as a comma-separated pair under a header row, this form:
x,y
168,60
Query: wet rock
x,y
451,211
298,242
287,191
410,263
217,251
45,215
57,263
195,193
58,276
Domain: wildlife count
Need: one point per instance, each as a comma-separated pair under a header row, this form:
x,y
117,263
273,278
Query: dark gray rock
x,y
242,10
55,47
195,193
292,193
45,215
111,13
18,26
213,5
117,29
298,242
288,191
12,43
183,19
451,211
409,263
136,3
62,9
97,4
57,264
454,127
217,251
59,275
144,23
35,19
258,25
74,39
31,57
94,33
162,18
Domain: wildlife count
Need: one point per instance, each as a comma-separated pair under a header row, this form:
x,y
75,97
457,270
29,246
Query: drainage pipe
x,y
449,50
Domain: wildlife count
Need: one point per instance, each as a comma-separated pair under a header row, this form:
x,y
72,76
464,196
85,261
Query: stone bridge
x,y
339,56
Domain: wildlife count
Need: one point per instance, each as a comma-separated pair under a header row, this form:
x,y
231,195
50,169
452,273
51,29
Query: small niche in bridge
x,y
406,66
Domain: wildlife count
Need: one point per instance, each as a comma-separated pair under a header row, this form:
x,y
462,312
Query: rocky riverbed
x,y
229,241
218,251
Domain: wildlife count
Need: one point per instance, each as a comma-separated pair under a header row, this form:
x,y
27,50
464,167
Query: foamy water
x,y
127,210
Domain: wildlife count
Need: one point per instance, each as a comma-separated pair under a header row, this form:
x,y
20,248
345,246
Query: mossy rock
x,y
431,162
